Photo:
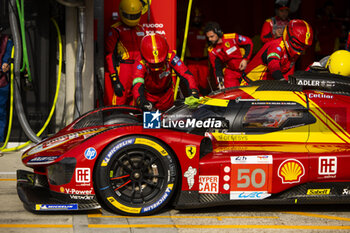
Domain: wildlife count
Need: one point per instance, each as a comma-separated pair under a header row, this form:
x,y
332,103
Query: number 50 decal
x,y
251,174
256,178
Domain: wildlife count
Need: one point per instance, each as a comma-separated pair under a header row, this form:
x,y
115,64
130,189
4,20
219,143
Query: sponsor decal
x,y
231,50
90,153
189,174
140,33
175,59
191,151
153,25
320,96
252,159
81,197
279,49
227,44
255,195
123,207
56,207
308,35
164,74
327,165
241,38
179,63
78,192
82,175
139,67
60,140
318,192
115,149
151,120
346,191
208,184
152,144
290,171
155,53
43,160
229,137
160,201
314,83
250,177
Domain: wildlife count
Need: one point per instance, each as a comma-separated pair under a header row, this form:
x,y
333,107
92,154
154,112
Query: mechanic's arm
x,y
185,75
266,31
247,44
112,61
138,87
217,65
110,47
274,66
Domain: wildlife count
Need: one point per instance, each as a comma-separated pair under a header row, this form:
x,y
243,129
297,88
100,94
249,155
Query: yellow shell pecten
x,y
291,171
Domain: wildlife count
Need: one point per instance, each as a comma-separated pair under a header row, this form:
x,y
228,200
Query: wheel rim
x,y
137,176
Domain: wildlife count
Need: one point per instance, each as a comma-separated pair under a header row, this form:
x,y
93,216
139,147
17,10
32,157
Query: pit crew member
x,y
122,48
153,86
273,27
197,53
228,54
276,59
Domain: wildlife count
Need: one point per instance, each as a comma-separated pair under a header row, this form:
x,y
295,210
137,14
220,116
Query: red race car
x,y
270,142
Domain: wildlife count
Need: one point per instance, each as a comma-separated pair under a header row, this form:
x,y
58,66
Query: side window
x,y
273,116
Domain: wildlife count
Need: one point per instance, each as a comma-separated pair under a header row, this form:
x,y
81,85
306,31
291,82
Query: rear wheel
x,y
136,176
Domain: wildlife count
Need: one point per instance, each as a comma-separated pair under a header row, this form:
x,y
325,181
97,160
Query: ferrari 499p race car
x,y
270,142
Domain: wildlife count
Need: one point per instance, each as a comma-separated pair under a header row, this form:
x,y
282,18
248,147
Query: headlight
x,y
61,173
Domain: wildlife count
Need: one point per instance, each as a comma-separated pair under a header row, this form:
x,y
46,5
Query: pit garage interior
x,y
83,25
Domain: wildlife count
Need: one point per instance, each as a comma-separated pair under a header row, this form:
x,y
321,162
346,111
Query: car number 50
x,y
250,178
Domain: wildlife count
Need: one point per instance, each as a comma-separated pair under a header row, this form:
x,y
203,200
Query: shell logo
x,y
291,171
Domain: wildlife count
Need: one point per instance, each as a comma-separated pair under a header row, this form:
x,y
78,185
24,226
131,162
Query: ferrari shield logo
x,y
191,151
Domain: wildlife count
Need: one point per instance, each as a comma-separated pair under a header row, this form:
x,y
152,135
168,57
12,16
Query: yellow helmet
x,y
339,63
130,12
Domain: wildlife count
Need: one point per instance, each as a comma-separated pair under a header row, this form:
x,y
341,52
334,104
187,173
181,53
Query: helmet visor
x,y
295,44
131,16
156,66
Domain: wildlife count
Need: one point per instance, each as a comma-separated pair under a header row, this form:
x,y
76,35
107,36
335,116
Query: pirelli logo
x,y
318,191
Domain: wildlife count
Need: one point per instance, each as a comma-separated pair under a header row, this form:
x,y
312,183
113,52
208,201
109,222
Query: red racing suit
x,y
197,58
157,86
271,62
269,27
122,47
229,54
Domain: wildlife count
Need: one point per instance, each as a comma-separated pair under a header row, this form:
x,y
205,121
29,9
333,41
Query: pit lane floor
x,y
14,218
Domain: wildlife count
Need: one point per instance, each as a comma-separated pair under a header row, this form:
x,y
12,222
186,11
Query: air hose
x,y
17,56
55,98
25,63
184,44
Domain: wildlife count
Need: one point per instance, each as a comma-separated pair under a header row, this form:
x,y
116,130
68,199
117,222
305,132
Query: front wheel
x,y
136,176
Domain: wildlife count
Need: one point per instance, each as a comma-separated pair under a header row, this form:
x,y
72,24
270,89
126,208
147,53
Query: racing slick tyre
x,y
135,176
